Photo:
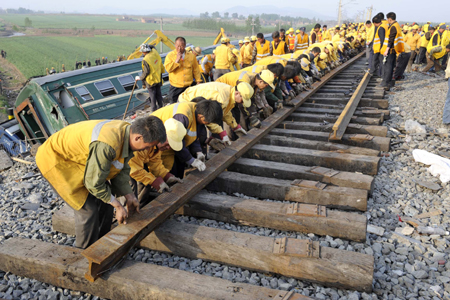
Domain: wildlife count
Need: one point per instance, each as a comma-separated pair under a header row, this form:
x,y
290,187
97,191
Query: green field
x,y
84,22
32,54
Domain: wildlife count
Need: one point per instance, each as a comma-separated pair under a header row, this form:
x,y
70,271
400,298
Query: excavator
x,y
161,38
219,36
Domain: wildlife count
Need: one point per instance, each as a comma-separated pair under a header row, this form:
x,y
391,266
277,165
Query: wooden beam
x,y
304,191
347,114
278,140
351,129
358,140
110,249
285,171
64,266
251,251
306,157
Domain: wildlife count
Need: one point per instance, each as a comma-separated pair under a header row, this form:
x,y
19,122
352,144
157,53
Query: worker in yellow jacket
x,y
224,59
207,66
242,50
302,40
147,168
182,68
370,34
412,39
279,47
187,134
291,40
392,47
326,35
229,98
236,62
262,49
152,68
436,50
86,163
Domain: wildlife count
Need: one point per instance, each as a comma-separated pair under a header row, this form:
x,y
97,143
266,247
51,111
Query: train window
x,y
127,82
106,88
84,93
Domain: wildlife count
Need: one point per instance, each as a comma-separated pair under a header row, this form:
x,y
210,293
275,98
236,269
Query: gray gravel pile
x,y
407,265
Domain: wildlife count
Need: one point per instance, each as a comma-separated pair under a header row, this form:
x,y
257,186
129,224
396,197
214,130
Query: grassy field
x,y
32,54
83,22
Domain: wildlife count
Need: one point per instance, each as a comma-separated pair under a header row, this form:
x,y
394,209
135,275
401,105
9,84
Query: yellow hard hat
x,y
223,40
291,30
297,31
188,49
428,22
236,51
241,41
175,133
323,56
253,38
267,77
415,27
405,27
246,39
305,64
246,91
228,40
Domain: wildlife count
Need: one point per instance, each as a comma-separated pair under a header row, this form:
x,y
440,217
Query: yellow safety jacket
x,y
207,64
224,56
370,34
150,158
248,52
272,60
242,52
182,74
154,61
279,50
62,158
254,69
262,50
167,112
423,41
291,40
380,46
399,44
425,27
440,42
233,78
302,41
326,36
215,91
412,40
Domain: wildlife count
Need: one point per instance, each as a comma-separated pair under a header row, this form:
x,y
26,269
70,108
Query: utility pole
x,y
369,12
340,13
161,29
253,27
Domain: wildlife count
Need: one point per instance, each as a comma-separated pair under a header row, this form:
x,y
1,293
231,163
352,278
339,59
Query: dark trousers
x,y
206,77
422,59
155,96
402,63
174,93
92,221
377,62
388,70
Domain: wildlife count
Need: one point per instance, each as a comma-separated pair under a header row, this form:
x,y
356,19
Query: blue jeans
x,y
446,114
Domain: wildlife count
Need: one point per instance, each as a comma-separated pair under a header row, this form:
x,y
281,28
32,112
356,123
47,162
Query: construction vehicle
x,y
219,36
161,38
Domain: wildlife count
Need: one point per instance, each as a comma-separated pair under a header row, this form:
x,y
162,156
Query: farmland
x,y
32,54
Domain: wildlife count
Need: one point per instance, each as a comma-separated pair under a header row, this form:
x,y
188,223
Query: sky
x,y
405,10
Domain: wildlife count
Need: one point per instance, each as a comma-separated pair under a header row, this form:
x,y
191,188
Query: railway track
x,y
318,183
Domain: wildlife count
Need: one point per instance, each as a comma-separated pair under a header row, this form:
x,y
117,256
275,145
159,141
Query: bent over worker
x,y
87,165
188,139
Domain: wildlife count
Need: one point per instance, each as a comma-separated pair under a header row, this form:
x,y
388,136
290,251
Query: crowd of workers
x,y
228,92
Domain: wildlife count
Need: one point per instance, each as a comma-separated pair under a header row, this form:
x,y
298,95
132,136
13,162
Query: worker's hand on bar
x,y
121,213
132,203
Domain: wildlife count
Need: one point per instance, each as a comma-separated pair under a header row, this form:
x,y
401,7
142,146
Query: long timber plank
x,y
306,191
251,251
351,129
358,140
307,157
64,266
285,171
110,249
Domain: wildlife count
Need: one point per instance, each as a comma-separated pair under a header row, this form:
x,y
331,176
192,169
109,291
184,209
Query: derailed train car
x,y
47,104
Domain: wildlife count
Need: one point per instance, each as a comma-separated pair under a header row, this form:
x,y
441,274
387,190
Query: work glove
x,y
216,144
279,104
266,111
137,78
224,138
199,165
160,185
255,122
240,132
201,156
173,180
435,50
292,94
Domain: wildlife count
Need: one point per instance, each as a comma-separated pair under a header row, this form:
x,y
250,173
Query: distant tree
x,y
248,23
257,24
93,28
241,17
215,14
225,15
234,15
28,22
204,15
